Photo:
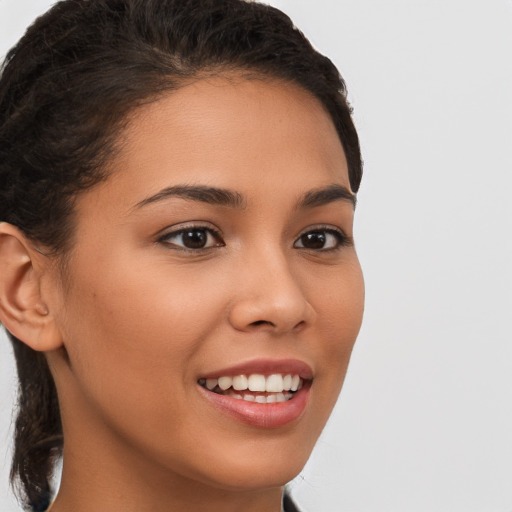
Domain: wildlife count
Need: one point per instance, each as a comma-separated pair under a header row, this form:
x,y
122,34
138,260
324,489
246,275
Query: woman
x,y
179,279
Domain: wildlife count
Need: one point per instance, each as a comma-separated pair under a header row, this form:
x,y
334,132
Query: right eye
x,y
193,238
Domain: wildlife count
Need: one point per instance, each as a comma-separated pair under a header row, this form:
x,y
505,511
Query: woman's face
x,y
219,252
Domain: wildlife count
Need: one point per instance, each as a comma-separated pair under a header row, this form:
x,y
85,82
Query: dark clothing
x,y
288,504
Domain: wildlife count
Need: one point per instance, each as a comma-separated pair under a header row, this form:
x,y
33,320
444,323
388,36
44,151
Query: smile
x,y
260,393
274,388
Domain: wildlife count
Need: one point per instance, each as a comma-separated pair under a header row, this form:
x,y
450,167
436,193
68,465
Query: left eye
x,y
193,238
321,240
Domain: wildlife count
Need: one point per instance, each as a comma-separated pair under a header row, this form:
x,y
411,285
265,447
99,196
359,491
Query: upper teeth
x,y
275,383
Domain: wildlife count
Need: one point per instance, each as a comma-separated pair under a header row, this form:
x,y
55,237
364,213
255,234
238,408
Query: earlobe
x,y
23,310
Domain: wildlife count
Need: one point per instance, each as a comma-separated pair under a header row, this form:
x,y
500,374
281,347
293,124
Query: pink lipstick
x,y
262,393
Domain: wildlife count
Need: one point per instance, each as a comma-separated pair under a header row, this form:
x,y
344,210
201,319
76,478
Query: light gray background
x,y
424,423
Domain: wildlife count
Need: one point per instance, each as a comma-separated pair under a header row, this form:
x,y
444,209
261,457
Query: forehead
x,y
239,121
258,136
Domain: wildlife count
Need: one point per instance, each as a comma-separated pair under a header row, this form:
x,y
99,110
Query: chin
x,y
266,467
254,477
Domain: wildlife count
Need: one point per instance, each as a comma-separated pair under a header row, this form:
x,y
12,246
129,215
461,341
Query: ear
x,y
23,310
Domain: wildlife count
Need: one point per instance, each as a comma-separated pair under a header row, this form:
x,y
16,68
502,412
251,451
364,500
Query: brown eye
x,y
321,240
313,240
193,238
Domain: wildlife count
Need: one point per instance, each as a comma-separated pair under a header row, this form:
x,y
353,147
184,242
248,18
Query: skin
x,y
137,319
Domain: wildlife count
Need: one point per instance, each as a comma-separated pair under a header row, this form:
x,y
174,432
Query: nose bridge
x,y
269,295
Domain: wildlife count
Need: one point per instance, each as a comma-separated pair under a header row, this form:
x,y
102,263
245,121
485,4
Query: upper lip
x,y
264,367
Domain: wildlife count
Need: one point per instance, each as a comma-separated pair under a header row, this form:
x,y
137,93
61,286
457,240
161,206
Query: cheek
x,y
134,339
131,331
339,304
131,302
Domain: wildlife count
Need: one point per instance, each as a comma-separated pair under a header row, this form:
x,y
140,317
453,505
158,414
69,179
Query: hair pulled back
x,y
66,90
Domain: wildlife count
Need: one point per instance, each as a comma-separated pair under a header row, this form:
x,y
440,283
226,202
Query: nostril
x,y
262,322
267,323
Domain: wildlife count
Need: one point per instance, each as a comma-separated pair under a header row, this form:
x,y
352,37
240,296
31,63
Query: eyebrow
x,y
204,194
233,199
329,194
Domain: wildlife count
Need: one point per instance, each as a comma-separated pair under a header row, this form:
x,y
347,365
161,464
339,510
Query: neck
x,y
95,489
96,475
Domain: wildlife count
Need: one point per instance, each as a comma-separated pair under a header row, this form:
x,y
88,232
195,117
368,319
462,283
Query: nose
x,y
269,297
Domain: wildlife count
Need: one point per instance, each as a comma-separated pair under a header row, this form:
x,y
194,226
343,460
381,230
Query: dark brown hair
x,y
66,90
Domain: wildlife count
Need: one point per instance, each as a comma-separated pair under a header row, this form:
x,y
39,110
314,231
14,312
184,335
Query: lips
x,y
261,393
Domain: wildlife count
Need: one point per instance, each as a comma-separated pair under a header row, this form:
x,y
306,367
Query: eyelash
x,y
210,232
342,240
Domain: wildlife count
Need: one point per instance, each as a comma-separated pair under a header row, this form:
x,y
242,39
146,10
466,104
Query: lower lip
x,y
272,415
